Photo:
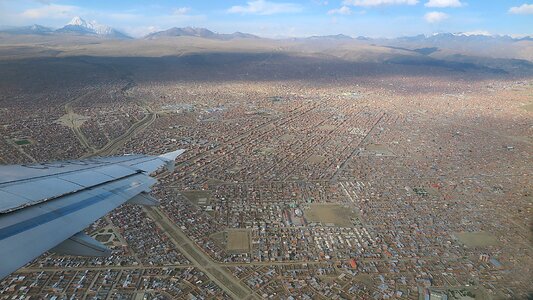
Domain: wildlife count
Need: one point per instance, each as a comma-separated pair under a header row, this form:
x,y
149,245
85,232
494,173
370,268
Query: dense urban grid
x,y
383,185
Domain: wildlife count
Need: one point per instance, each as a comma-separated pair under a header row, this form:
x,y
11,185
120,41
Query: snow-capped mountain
x,y
79,26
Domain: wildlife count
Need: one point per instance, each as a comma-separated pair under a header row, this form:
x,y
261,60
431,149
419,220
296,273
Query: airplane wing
x,y
46,206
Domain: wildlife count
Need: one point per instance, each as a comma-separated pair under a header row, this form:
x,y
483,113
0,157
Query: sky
x,y
283,18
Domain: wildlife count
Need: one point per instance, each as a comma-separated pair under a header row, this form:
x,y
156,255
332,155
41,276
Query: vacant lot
x,y
378,149
287,137
326,127
197,196
72,120
528,107
335,214
476,239
316,159
266,151
238,240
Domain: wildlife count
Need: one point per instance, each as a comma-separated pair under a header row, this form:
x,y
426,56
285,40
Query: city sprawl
x,y
320,180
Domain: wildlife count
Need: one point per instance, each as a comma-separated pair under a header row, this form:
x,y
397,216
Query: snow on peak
x,y
99,28
473,33
77,21
92,25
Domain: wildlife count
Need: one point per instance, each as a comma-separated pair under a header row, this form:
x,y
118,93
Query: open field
x,y
378,149
527,107
476,239
266,151
72,120
238,240
316,159
197,196
326,127
335,214
22,142
287,137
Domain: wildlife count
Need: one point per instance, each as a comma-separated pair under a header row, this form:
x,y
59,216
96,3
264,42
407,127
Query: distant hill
x,y
447,39
198,32
457,37
439,45
33,29
330,37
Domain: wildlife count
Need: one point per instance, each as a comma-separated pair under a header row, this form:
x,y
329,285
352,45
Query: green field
x,y
22,142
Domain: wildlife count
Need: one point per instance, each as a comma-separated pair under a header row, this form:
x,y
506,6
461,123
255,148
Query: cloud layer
x,y
524,9
443,3
379,2
54,11
263,7
435,17
344,10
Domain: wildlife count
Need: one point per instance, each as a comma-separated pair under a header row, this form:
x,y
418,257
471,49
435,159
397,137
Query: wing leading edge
x,y
44,207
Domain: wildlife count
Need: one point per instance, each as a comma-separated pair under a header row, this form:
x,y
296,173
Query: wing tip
x,y
172,155
170,158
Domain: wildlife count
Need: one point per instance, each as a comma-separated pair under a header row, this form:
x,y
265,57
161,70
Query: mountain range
x,y
78,26
198,32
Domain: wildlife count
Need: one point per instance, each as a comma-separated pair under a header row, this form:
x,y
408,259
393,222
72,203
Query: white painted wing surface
x,y
43,205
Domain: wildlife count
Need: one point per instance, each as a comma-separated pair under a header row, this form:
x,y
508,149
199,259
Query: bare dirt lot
x,y
335,214
316,159
379,149
197,196
528,107
238,240
476,239
72,120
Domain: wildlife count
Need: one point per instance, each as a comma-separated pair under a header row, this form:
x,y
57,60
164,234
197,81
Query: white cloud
x,y
43,1
435,17
52,11
263,7
524,9
444,3
344,10
379,2
182,10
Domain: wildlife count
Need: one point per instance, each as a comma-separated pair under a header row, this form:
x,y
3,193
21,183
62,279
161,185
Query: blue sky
x,y
284,18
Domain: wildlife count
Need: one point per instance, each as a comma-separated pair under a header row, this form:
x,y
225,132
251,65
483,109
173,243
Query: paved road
x,y
229,283
115,144
98,268
75,128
